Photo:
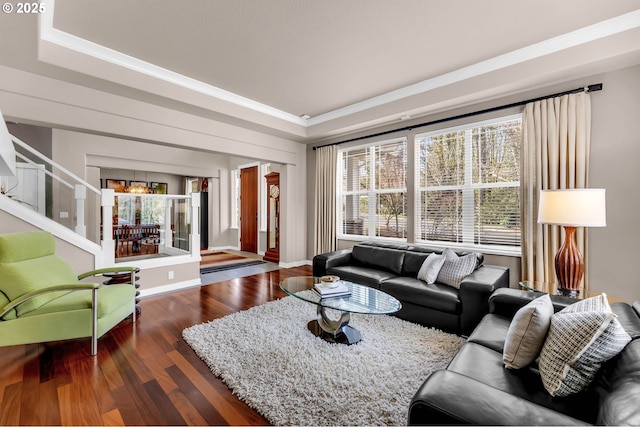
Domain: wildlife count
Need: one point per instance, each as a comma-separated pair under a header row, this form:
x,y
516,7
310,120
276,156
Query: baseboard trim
x,y
170,288
294,264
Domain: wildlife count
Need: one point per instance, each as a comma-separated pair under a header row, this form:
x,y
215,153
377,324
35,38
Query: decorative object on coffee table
x,y
571,208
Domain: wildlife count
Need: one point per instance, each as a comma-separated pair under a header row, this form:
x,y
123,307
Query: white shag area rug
x,y
269,359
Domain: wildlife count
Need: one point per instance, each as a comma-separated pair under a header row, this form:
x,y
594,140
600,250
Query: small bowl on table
x,y
329,281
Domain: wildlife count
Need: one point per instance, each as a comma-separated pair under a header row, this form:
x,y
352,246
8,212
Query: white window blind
x,y
468,189
372,190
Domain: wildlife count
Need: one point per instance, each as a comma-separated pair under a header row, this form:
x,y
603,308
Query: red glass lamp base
x,y
569,264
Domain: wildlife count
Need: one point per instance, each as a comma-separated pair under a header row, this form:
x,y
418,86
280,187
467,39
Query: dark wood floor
x,y
144,374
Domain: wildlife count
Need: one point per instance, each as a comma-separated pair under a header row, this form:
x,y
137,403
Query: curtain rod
x,y
591,88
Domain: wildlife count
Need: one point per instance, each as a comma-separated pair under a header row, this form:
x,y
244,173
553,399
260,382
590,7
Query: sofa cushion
x,y
486,366
16,247
110,298
581,337
28,263
431,267
380,258
527,333
413,259
456,268
491,332
620,388
19,278
361,275
436,296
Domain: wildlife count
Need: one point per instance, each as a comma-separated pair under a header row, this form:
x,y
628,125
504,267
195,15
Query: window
x,y
372,190
468,184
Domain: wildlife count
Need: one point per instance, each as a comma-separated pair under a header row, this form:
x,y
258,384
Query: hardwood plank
x,y
166,410
78,400
112,418
189,412
13,359
11,402
144,373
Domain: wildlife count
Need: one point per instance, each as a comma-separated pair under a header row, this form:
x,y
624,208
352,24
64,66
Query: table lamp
x,y
571,208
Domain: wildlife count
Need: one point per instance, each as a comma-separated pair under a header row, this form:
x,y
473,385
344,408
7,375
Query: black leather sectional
x,y
476,388
393,269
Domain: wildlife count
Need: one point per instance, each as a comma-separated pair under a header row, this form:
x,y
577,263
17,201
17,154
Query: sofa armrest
x,y
448,397
322,262
505,302
475,290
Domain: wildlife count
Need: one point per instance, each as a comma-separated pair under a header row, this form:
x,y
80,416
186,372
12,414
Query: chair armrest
x,y
57,288
448,397
475,290
323,262
107,270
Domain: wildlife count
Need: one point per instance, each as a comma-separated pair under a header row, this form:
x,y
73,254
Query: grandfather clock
x,y
273,217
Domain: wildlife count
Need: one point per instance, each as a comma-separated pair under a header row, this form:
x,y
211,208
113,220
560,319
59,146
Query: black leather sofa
x,y
394,268
477,389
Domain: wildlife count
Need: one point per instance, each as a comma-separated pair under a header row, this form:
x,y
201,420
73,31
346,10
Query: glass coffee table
x,y
362,300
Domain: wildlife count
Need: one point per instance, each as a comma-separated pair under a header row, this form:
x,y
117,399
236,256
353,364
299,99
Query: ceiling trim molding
x,y
619,24
582,36
53,35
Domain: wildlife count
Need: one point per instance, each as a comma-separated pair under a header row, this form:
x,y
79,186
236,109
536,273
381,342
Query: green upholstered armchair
x,y
41,298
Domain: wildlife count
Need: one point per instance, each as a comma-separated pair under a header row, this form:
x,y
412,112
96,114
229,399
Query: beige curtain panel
x,y
556,138
325,204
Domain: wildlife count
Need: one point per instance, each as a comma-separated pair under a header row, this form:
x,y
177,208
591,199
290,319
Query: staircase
x,y
49,197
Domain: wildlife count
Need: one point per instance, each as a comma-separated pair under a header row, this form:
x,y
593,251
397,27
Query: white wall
x,y
614,251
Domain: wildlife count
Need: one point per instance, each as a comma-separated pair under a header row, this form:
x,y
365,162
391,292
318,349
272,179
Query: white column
x,y
195,225
108,246
166,236
81,197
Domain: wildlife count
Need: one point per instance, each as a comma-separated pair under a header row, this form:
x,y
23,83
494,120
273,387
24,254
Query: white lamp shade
x,y
580,207
7,152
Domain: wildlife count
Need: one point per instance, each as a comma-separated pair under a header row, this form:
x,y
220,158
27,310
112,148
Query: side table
x,y
530,285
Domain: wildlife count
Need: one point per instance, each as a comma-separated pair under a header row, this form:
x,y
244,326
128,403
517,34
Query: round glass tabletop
x,y
362,299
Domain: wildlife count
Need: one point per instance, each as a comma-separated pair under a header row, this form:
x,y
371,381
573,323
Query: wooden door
x,y
249,209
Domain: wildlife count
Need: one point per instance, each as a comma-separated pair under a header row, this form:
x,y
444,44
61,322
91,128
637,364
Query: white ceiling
x,y
347,64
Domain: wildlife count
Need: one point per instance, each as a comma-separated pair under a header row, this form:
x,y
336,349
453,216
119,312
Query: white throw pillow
x,y
431,267
581,337
527,333
456,268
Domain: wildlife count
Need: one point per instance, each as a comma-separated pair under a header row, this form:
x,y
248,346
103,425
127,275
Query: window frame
x,y
467,189
371,193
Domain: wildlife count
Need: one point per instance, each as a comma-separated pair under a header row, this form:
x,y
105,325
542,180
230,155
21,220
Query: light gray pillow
x,y
431,267
581,337
456,268
527,333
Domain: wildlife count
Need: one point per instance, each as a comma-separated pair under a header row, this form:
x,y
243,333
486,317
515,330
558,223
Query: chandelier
x,y
138,189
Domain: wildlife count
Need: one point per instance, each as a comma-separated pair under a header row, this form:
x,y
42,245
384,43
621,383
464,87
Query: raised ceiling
x,y
346,64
